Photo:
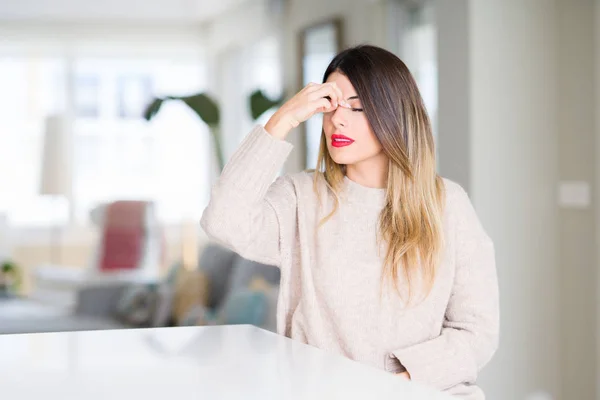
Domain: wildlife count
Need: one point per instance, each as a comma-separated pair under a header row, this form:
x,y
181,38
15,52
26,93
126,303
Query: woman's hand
x,y
312,99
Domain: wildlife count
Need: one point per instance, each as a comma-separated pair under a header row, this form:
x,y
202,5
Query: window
x,y
117,154
32,87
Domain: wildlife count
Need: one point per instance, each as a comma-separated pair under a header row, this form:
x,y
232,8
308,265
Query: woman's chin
x,y
340,158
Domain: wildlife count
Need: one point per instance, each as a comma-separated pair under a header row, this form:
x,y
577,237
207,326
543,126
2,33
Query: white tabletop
x,y
225,362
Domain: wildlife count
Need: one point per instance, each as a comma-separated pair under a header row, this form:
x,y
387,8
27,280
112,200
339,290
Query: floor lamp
x,y
56,171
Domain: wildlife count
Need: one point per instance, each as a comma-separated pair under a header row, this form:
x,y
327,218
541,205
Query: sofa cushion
x,y
271,292
191,289
244,271
164,303
245,306
137,305
217,263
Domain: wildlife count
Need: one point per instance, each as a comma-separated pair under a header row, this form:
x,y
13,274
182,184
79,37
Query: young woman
x,y
381,260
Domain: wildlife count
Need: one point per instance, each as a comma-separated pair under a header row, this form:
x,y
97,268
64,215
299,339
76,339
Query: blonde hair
x,y
411,222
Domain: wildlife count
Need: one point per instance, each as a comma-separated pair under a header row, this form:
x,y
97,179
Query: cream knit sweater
x,y
330,293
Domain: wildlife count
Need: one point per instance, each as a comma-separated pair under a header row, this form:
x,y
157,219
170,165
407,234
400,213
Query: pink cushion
x,y
121,249
123,237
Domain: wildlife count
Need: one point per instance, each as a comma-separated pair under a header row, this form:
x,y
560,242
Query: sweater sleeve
x,y
469,335
249,204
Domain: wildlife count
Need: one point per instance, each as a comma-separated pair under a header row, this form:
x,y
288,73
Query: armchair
x,y
130,249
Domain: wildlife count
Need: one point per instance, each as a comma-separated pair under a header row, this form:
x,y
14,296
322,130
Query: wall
x,y
507,137
596,190
242,25
454,97
118,38
577,157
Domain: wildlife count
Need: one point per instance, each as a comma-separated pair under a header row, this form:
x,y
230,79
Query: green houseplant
x,y
10,278
205,108
260,103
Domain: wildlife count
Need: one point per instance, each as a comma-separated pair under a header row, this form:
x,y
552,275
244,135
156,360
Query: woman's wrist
x,y
279,126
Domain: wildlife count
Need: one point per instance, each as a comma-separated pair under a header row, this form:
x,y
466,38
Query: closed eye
x,y
353,108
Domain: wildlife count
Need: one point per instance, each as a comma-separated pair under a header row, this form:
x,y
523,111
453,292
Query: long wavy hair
x,y
411,222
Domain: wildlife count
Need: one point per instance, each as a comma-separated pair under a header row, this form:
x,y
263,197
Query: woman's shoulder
x,y
456,196
461,212
453,188
299,182
302,180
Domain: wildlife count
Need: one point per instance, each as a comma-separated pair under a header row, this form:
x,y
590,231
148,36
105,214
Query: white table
x,y
225,363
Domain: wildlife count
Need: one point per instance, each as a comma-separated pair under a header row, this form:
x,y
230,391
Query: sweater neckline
x,y
355,189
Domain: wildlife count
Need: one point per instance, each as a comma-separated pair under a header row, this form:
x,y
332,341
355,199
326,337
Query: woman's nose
x,y
338,117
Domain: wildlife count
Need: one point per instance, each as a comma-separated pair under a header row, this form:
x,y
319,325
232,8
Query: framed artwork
x,y
318,44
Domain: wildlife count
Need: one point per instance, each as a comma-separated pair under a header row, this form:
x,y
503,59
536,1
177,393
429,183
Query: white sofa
x,y
59,284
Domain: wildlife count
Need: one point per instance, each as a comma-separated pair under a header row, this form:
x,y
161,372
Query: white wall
x,y
240,26
454,96
596,190
86,11
116,38
577,157
508,159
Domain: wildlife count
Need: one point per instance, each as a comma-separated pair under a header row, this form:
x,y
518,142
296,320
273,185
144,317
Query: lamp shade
x,y
56,176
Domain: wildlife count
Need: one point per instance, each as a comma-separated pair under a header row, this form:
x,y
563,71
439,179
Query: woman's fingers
x,y
324,105
329,90
318,106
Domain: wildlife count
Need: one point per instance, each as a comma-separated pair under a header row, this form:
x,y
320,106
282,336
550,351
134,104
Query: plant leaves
x,y
205,107
260,103
152,109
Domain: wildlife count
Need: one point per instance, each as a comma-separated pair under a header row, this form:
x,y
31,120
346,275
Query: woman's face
x,y
350,139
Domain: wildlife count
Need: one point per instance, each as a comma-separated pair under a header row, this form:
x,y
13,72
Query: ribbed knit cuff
x,y
255,164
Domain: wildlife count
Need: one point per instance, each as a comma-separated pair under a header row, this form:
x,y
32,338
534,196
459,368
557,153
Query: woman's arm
x,y
249,210
248,204
469,336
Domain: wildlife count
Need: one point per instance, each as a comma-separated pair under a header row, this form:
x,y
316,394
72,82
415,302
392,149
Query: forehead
x,y
343,83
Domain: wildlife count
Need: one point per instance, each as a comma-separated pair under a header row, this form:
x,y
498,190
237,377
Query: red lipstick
x,y
341,141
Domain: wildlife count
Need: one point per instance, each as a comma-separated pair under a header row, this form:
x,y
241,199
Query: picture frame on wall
x,y
317,46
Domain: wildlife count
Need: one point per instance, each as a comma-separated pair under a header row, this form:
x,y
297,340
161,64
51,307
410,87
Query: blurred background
x,y
116,117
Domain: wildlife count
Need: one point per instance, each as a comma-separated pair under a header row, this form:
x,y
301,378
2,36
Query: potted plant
x,y
10,278
205,108
260,103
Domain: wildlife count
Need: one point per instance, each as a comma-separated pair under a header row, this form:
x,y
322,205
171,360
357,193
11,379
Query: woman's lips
x,y
341,141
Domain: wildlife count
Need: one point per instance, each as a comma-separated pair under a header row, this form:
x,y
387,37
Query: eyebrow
x,y
352,98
